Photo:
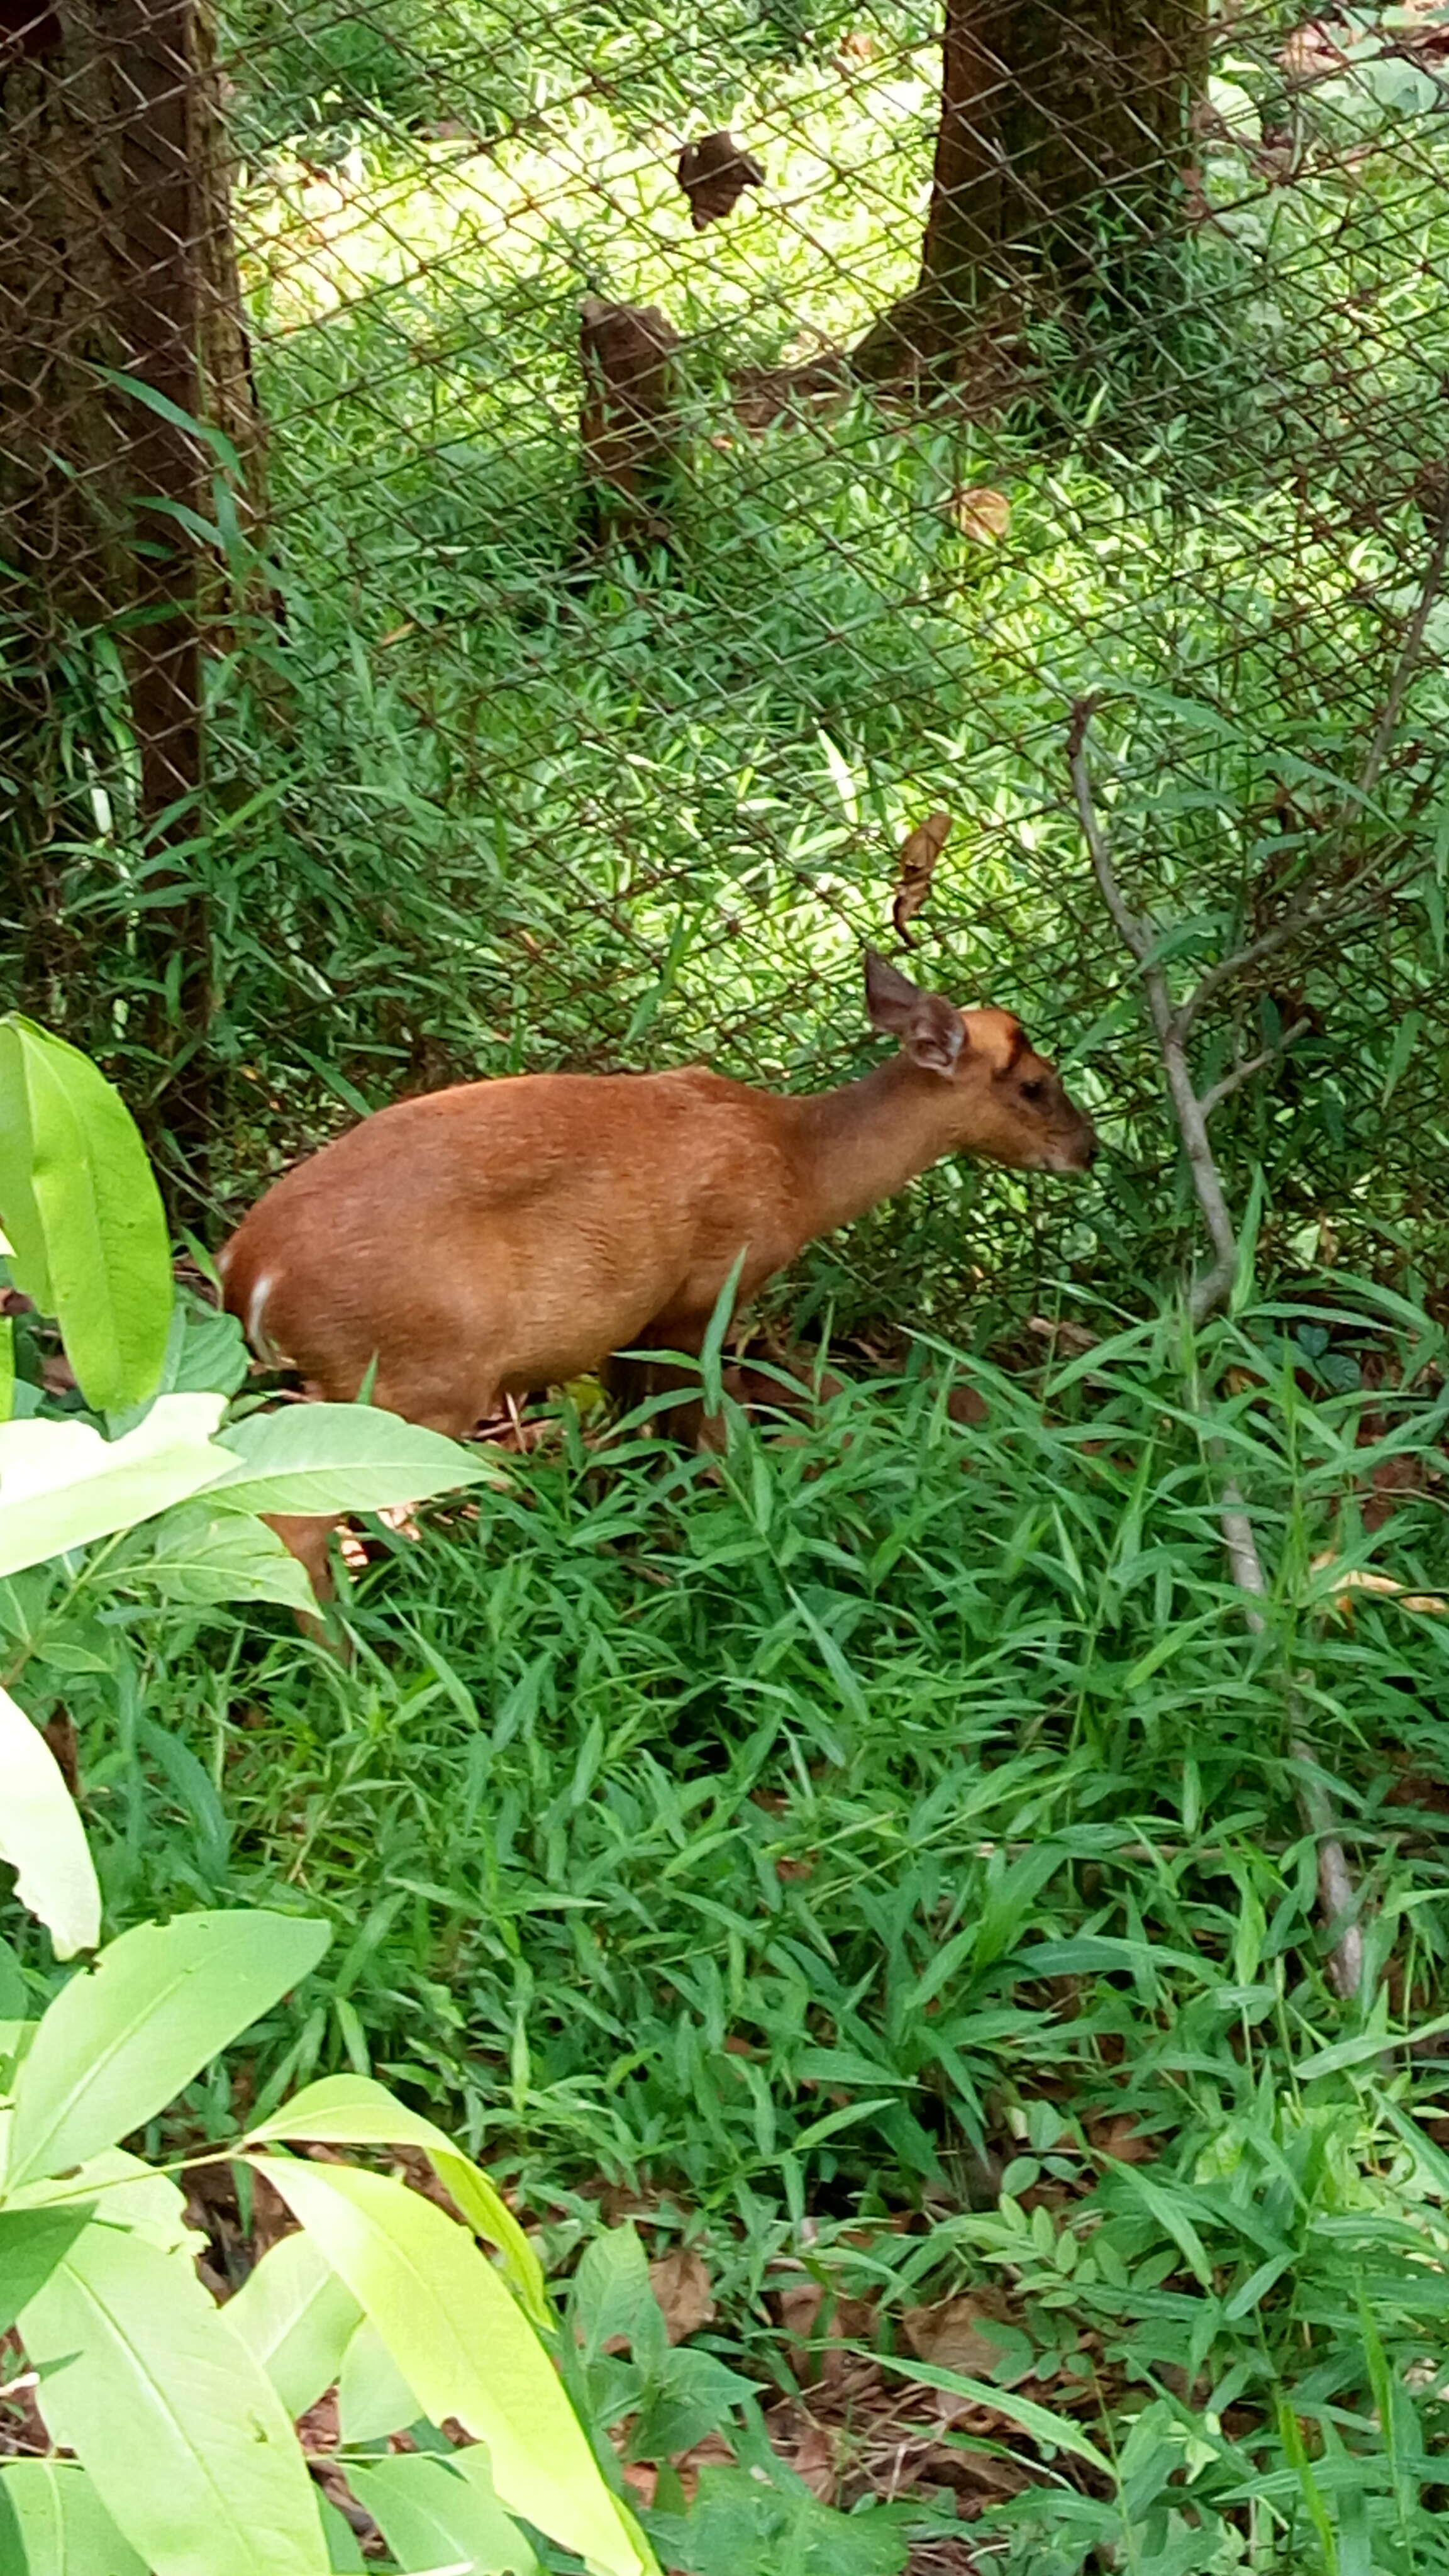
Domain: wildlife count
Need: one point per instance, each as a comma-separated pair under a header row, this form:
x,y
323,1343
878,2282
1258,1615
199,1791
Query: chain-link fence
x,y
508,520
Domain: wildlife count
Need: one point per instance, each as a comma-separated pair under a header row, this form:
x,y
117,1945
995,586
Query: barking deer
x,y
506,1235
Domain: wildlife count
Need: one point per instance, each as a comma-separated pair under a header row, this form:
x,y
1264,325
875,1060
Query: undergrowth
x,y
873,1858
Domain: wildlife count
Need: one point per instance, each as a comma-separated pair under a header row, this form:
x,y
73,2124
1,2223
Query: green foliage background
x,y
933,1772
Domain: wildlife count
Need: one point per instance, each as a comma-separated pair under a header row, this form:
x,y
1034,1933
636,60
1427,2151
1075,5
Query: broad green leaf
x,y
686,2395
213,1355
62,1485
440,2513
53,2523
121,2188
1054,2432
43,1838
122,2039
81,1203
373,2398
19,1213
189,2444
197,1556
352,2111
296,2319
611,2297
340,1458
7,1367
206,1354
32,2242
465,2348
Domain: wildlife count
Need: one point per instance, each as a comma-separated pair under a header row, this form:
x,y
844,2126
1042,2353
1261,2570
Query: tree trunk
x,y
1057,153
115,258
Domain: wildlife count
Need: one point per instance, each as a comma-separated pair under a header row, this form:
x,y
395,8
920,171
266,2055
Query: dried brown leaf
x,y
818,2323
956,2334
814,2461
800,2308
680,2282
1120,2138
915,868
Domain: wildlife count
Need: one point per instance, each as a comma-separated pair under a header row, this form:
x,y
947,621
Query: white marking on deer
x,y
255,1311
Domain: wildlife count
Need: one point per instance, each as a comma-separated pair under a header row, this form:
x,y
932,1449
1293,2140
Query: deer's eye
x,y
1033,1090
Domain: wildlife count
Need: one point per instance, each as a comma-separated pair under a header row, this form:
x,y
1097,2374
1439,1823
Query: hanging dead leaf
x,y
681,2284
1071,1337
1314,52
915,867
982,514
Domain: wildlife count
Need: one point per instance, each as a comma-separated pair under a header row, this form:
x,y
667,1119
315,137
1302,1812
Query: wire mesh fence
x,y
509,521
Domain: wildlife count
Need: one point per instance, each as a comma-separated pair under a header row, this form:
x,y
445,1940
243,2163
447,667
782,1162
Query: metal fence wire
x,y
510,518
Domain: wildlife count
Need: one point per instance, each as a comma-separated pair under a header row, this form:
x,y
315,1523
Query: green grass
x,y
837,1837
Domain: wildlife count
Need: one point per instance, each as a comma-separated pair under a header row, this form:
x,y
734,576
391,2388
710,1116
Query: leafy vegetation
x,y
853,1894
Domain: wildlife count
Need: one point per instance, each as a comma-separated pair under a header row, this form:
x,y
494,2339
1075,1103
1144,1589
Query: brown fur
x,y
500,1236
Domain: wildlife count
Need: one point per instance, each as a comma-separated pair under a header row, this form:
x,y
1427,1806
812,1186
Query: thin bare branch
x,y
1242,1073
1134,933
1337,1897
1291,925
1185,1102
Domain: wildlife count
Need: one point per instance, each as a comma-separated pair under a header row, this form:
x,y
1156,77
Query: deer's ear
x,y
890,996
931,1029
936,1038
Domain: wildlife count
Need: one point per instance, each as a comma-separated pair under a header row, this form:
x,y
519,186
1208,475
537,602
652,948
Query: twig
x,y
1242,1073
1209,1292
1190,1112
1290,926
